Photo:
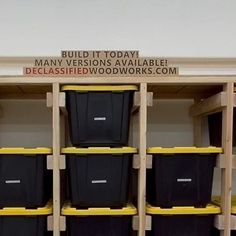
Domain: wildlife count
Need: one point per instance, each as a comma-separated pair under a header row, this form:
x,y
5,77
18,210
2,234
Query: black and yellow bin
x,y
215,128
99,115
99,221
179,221
181,176
24,178
99,176
25,222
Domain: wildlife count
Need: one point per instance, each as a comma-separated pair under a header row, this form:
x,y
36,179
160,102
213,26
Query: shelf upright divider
x,y
142,154
227,144
56,161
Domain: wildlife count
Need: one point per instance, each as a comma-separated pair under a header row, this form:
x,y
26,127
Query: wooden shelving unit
x,y
210,93
210,98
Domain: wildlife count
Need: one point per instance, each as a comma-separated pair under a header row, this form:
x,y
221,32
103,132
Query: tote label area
x,y
184,180
99,181
17,181
99,118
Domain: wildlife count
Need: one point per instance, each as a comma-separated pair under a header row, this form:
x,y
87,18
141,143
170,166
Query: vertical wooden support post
x,y
142,154
227,143
197,128
56,161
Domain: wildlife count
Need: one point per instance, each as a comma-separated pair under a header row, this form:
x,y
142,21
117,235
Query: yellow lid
x,y
179,150
100,88
210,209
216,200
21,211
67,210
233,204
98,150
20,150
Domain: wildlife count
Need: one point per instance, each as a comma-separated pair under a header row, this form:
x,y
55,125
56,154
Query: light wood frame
x,y
223,101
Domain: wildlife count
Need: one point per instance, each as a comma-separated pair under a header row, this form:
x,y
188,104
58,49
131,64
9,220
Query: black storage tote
x,y
99,221
24,178
99,177
215,129
25,222
99,115
181,176
182,221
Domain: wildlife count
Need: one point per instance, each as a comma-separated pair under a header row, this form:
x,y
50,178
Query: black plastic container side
x,y
181,225
99,180
216,232
182,221
181,179
25,222
99,221
215,129
100,226
99,118
24,180
24,226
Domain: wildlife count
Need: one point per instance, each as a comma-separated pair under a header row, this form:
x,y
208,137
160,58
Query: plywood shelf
x,y
184,91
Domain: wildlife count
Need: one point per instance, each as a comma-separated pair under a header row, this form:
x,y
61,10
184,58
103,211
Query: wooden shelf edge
x,y
209,105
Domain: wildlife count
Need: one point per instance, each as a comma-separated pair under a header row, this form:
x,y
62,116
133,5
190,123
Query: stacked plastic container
x,y
99,163
181,221
25,190
215,128
99,221
25,222
179,189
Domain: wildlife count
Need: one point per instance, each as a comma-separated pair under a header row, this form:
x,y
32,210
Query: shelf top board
x,y
184,91
162,87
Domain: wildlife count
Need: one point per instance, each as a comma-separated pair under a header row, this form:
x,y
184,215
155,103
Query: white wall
x,y
202,28
169,124
25,123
